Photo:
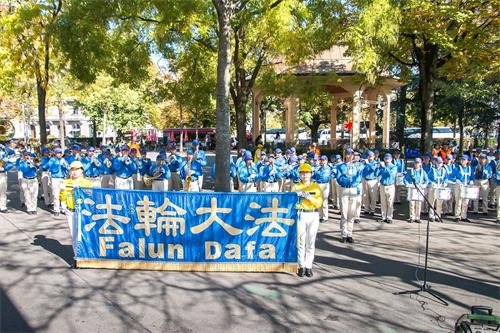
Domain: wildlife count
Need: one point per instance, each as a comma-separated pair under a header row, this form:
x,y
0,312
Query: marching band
x,y
350,183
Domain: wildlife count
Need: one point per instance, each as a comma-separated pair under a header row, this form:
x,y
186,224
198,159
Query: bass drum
x,y
7,130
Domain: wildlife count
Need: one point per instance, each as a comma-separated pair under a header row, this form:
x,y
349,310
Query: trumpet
x,y
148,180
171,159
37,161
126,160
108,163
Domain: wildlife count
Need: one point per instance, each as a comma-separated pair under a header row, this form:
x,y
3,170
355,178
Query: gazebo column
x,y
386,120
257,100
333,123
372,123
356,116
291,116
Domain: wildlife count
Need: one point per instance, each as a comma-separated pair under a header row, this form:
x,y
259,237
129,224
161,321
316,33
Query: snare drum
x,y
442,193
414,194
470,192
399,179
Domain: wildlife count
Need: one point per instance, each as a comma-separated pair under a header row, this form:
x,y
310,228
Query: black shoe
x,y
372,213
56,213
50,206
309,272
321,220
357,221
350,240
457,219
301,271
485,214
409,221
381,220
389,221
343,239
397,203
432,219
497,221
5,211
465,220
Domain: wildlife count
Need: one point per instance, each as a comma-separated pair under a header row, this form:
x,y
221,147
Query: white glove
x,y
191,172
299,193
307,195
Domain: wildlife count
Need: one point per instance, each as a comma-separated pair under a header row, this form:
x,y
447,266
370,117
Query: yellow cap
x,y
305,168
76,165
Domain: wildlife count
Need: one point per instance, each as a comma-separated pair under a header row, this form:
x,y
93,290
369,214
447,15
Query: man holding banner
x,y
308,221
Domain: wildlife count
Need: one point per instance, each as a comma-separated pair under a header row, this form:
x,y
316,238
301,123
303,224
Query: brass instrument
x,y
189,178
108,163
37,161
2,163
148,180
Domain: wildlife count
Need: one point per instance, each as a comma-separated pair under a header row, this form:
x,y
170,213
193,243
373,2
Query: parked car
x,y
271,135
437,133
324,136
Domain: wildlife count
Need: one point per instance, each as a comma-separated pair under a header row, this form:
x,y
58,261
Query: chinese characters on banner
x,y
186,231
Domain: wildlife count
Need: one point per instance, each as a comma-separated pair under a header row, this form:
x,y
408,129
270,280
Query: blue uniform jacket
x,y
196,170
370,169
58,167
387,174
123,169
248,174
175,164
482,172
28,170
104,169
400,164
202,158
438,175
349,175
420,177
322,174
145,165
266,175
8,164
91,166
462,175
163,169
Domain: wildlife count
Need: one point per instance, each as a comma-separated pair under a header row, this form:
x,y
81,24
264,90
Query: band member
x,y
494,164
145,164
74,154
322,175
416,176
387,173
161,173
449,204
290,174
258,153
370,183
201,158
349,178
308,221
334,186
29,182
482,174
497,189
259,165
107,178
124,168
45,177
270,175
134,147
248,175
191,171
92,167
66,188
358,164
280,162
462,176
135,155
401,168
5,166
438,177
174,164
58,168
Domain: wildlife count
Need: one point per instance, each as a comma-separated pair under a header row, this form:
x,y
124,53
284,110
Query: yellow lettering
x,y
175,247
159,254
142,248
104,245
208,250
267,251
233,251
250,248
126,250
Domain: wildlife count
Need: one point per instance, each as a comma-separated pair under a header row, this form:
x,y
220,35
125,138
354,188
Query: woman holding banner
x,y
308,222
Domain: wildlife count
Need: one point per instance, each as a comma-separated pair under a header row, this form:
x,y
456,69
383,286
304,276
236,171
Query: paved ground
x,y
352,290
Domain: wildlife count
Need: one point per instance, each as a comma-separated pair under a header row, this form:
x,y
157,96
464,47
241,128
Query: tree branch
x,y
411,64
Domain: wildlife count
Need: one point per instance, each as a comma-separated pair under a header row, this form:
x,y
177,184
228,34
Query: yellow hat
x,y
76,165
305,168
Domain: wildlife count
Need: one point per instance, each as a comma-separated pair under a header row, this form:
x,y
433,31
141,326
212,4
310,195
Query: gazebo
x,y
349,84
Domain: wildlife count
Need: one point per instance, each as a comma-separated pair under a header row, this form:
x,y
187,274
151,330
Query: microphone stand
x,y
425,287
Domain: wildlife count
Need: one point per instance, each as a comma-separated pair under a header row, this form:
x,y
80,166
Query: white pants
x,y
271,187
415,210
359,203
497,198
287,185
247,187
325,191
124,183
160,185
308,224
200,183
370,192
461,205
20,181
493,187
46,187
194,186
73,227
175,182
56,192
438,204
348,206
484,189
3,191
336,193
107,181
398,193
30,190
95,181
387,201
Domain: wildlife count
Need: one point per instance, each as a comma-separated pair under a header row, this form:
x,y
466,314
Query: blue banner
x,y
185,230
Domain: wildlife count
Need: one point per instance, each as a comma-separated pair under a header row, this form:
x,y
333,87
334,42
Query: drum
x,y
399,179
470,192
414,193
443,193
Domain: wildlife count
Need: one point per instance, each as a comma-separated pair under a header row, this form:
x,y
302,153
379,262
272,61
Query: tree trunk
x,y
427,57
240,107
104,127
62,126
461,113
400,123
41,91
94,133
223,136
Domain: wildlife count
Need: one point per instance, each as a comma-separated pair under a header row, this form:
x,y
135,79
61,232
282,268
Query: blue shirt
x,y
370,169
482,172
420,177
8,164
294,175
248,174
400,164
270,173
28,169
349,175
162,169
58,167
91,166
174,163
105,170
124,166
44,161
201,158
427,167
145,165
387,174
196,170
438,175
322,174
462,175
